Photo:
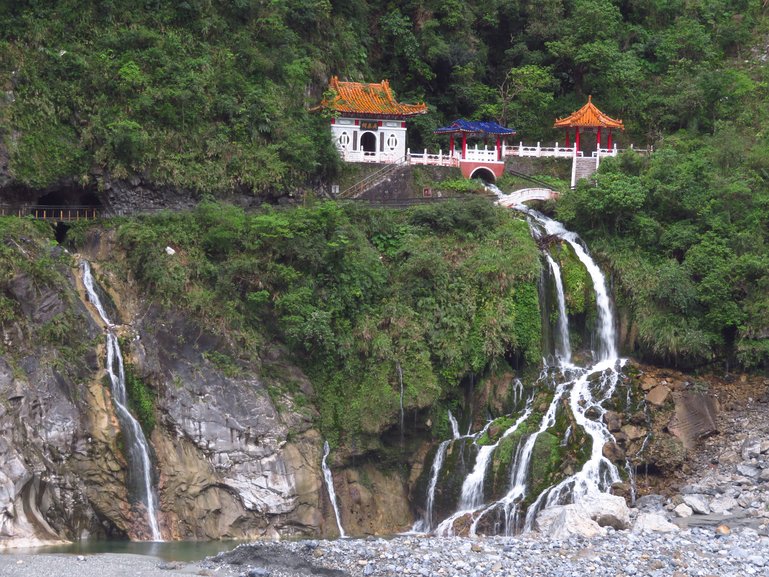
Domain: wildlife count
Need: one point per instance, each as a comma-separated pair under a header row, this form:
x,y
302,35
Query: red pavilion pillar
x,y
598,139
464,145
499,147
608,141
451,145
576,138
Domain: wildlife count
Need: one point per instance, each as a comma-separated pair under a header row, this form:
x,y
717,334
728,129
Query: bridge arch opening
x,y
484,174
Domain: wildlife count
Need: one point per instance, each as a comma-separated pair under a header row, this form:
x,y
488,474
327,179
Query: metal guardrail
x,y
54,213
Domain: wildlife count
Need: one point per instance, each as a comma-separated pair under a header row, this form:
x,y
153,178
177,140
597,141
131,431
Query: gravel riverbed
x,y
698,552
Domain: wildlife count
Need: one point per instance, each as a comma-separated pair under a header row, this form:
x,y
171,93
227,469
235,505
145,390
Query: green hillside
x,y
214,97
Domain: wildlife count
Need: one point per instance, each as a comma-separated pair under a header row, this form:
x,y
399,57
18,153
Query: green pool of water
x,y
186,551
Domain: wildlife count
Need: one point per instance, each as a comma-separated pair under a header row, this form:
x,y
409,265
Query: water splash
x,y
140,466
330,487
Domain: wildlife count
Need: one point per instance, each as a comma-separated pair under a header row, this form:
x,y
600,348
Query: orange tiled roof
x,y
589,116
369,99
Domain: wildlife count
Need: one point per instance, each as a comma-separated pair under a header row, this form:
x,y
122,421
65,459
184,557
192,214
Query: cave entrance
x,y
63,206
67,205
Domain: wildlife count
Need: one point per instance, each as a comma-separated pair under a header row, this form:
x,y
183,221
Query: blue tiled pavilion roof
x,y
474,127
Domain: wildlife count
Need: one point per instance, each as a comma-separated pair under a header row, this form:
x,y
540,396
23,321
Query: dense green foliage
x,y
361,296
214,95
141,399
686,235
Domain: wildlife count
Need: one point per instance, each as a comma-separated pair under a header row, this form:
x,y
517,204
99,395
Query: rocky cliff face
x,y
233,458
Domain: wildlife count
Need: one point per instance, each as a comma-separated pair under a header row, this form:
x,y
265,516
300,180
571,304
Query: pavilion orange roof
x,y
375,99
589,117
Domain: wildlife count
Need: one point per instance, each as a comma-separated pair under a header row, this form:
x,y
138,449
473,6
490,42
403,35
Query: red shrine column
x,y
499,147
576,138
598,139
451,145
464,145
608,140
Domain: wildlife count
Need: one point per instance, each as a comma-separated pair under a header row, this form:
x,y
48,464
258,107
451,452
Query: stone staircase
x,y
357,189
583,167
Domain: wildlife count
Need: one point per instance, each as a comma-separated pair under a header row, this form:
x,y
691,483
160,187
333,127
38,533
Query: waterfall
x,y
583,388
563,345
472,488
400,380
607,349
426,524
454,426
331,491
140,466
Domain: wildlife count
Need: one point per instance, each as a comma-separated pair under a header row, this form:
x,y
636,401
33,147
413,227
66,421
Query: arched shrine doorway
x,y
368,142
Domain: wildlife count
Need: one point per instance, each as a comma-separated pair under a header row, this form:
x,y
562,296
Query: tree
x,y
525,91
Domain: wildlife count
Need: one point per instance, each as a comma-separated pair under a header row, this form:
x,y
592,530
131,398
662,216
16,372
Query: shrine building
x,y
589,119
368,125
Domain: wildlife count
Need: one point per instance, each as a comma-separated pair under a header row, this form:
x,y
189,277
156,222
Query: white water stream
x,y
454,426
330,486
136,443
584,388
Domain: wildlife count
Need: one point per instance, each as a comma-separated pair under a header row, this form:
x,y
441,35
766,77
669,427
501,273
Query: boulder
x,y
653,522
648,383
723,504
613,452
607,510
698,503
634,432
751,448
694,418
747,470
658,395
613,421
728,457
683,510
566,521
650,503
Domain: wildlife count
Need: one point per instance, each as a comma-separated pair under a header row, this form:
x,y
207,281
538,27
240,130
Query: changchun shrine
x,y
369,125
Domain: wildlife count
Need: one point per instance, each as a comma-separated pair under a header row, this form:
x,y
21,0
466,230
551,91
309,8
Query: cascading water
x,y
563,343
584,389
454,426
331,491
140,466
400,380
426,524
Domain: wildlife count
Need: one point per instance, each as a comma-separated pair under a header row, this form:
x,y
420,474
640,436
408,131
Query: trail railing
x,y
54,213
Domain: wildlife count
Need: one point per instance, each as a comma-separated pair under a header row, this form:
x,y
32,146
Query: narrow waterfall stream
x,y
139,463
330,487
582,387
454,426
400,381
